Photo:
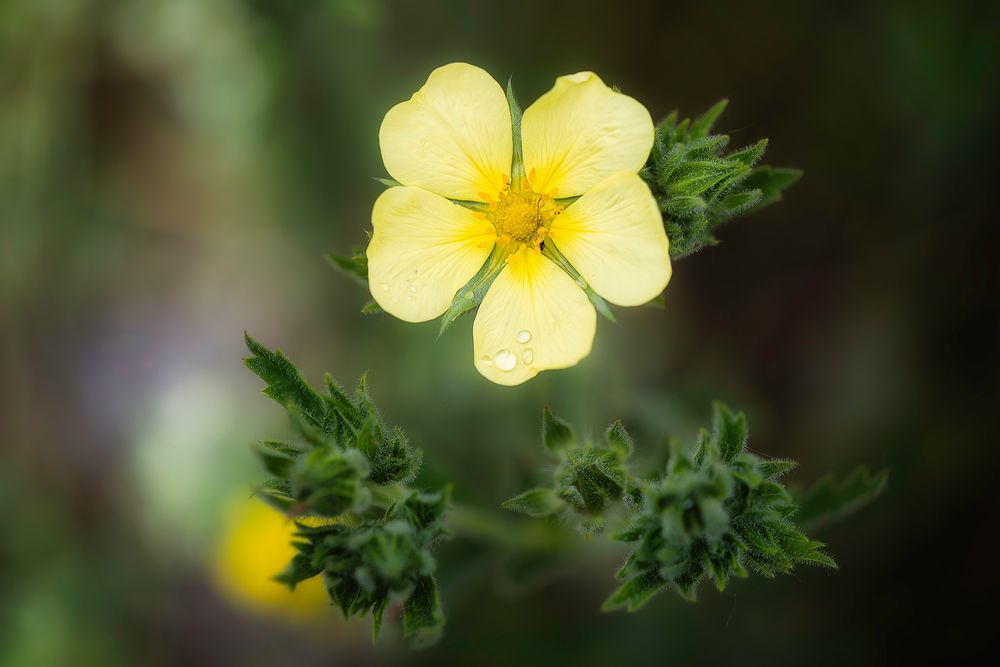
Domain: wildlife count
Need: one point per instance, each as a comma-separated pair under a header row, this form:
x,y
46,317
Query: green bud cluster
x,y
358,525
698,187
588,480
714,514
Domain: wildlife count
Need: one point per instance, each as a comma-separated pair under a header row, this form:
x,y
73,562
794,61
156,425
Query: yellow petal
x,y
581,132
613,235
534,318
422,250
453,137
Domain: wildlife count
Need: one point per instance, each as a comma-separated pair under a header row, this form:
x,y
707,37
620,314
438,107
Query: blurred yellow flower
x,y
583,145
256,546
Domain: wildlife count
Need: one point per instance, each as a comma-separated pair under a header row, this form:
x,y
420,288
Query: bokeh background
x,y
171,171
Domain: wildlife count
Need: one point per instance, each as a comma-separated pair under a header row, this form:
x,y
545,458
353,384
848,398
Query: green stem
x,y
511,534
507,534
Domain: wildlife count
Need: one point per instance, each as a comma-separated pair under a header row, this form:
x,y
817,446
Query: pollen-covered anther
x,y
522,216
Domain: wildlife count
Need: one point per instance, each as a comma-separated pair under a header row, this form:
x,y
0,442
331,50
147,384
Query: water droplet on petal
x,y
505,360
385,287
527,356
486,360
523,336
413,289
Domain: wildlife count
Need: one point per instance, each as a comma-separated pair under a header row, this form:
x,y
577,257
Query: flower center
x,y
522,216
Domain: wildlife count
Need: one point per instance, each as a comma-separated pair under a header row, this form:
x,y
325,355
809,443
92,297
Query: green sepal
x,y
355,266
474,291
371,308
517,159
600,305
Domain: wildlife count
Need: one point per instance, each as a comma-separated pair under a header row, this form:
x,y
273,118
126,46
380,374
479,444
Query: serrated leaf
x,y
830,499
286,386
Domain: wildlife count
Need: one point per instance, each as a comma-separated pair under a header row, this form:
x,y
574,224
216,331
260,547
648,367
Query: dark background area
x,y
171,170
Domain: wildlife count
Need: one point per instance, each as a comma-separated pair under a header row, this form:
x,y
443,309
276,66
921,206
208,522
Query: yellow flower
x,y
574,199
255,547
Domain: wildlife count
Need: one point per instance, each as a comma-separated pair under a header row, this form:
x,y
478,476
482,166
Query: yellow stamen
x,y
522,217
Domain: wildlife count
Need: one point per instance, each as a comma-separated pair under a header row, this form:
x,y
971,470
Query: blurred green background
x,y
171,171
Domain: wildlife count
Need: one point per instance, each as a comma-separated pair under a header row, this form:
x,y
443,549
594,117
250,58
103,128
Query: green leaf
x,y
703,124
829,499
535,503
634,593
750,155
422,617
771,181
775,468
387,182
734,203
299,569
286,385
557,435
277,457
378,609
729,431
